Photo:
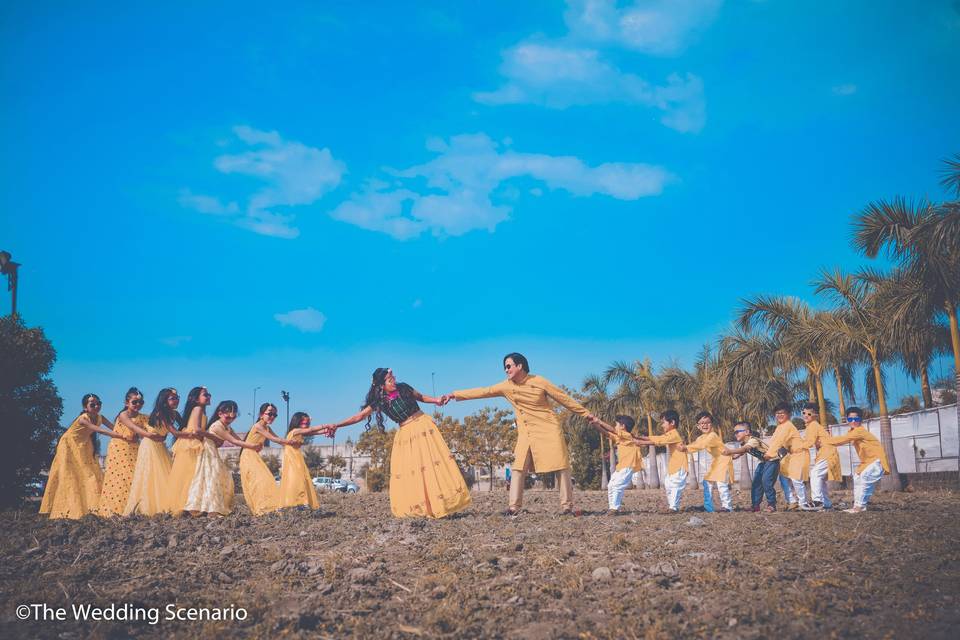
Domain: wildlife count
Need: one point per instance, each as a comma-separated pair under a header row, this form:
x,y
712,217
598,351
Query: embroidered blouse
x,y
396,407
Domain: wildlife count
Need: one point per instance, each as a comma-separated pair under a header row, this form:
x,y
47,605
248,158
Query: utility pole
x,y
286,398
9,268
253,411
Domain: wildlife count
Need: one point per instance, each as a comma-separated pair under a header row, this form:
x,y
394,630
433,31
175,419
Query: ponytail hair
x,y
162,414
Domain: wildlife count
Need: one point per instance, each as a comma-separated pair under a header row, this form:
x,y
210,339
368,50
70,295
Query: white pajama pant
x,y
619,482
723,488
793,490
864,483
818,483
674,485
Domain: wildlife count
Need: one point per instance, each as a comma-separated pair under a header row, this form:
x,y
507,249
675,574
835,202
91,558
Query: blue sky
x,y
288,198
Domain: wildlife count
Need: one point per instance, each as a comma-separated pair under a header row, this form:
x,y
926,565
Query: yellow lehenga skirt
x,y
75,479
149,488
260,490
424,477
296,486
186,453
121,461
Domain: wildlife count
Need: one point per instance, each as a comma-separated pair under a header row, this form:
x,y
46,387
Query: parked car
x,y
351,487
329,484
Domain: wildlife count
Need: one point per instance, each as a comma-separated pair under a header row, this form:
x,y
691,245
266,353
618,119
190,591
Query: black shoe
x,y
511,513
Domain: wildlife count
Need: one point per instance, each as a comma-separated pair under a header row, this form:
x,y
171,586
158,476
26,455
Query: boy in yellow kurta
x,y
540,444
826,466
721,467
676,478
629,458
873,461
794,466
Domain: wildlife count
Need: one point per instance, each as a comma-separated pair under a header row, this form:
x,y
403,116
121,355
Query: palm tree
x,y
924,239
789,320
859,319
601,404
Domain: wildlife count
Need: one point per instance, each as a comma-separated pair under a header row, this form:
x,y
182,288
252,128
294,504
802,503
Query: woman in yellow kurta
x,y
296,483
187,448
721,466
424,477
826,466
540,443
260,490
122,455
75,479
149,492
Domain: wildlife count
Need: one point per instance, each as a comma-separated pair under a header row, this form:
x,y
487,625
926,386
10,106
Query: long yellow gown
x,y
296,486
151,476
186,452
75,479
424,478
259,488
121,460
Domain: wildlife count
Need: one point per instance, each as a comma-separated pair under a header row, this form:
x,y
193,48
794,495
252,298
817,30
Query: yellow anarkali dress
x,y
149,489
75,479
186,453
296,486
121,460
259,488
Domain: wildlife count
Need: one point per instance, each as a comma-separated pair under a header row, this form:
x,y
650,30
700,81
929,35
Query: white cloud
x,y
574,70
307,320
292,174
654,27
844,89
558,76
454,193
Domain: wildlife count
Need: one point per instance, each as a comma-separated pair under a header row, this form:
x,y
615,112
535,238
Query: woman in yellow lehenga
x,y
260,490
424,478
149,489
187,448
122,455
75,479
296,485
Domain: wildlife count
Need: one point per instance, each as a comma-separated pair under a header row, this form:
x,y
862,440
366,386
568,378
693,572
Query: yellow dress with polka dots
x,y
75,479
149,489
296,486
121,460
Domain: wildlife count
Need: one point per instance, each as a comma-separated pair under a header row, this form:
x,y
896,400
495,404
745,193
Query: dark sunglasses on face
x,y
739,430
271,414
854,419
137,403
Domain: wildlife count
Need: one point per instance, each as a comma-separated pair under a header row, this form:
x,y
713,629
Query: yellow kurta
x,y
795,466
296,486
869,448
827,451
721,468
149,488
538,429
121,461
186,453
676,459
75,479
424,478
260,490
628,451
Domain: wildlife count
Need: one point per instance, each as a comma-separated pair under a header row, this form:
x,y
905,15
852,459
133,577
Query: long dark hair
x,y
226,406
193,400
163,415
93,434
296,419
376,396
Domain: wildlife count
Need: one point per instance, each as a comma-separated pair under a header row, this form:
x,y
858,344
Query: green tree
x,y
486,438
336,464
314,460
30,408
378,445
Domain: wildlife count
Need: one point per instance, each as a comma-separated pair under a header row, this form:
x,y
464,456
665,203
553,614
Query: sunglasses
x,y
94,403
854,419
137,403
271,414
807,413
739,430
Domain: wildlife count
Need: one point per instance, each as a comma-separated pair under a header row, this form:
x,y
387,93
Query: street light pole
x,y
253,411
286,398
9,268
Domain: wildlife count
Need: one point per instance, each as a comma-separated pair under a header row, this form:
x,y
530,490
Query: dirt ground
x,y
352,570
